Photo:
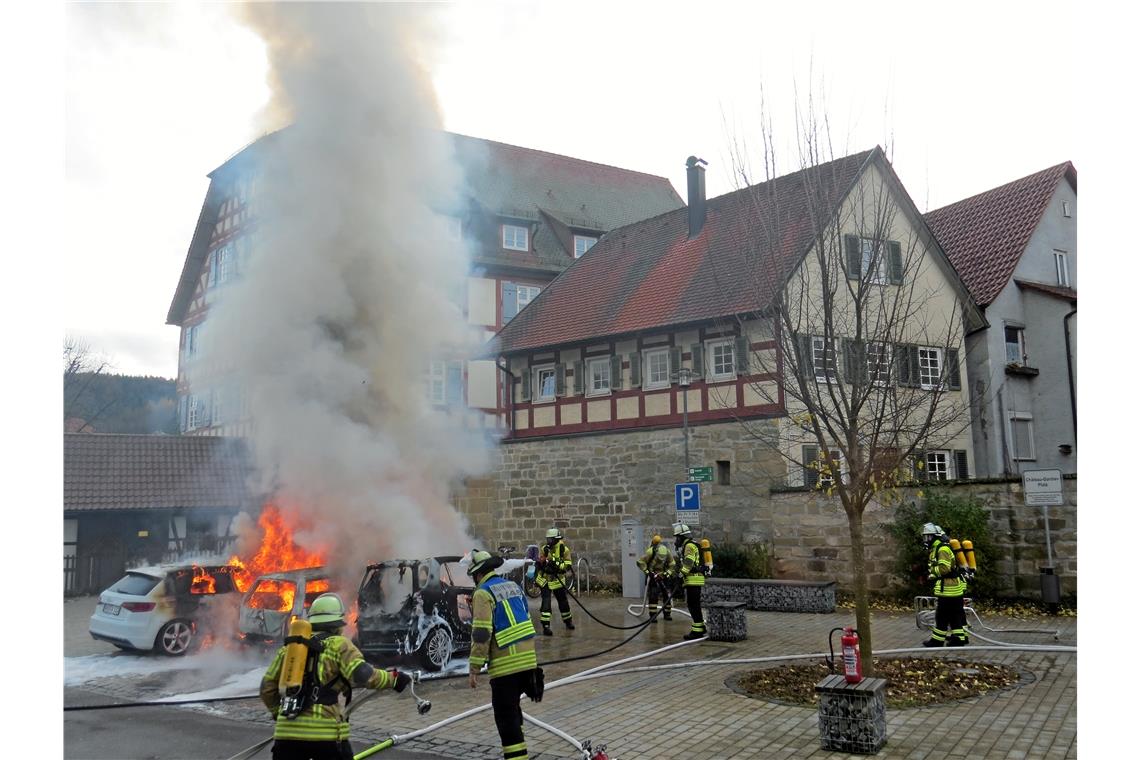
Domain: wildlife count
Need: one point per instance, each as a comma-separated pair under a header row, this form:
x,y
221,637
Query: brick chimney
x,y
696,171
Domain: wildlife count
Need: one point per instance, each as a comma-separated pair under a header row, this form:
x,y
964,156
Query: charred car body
x,y
273,600
415,609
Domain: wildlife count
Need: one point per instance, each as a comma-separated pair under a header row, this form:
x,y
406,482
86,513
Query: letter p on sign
x,y
688,496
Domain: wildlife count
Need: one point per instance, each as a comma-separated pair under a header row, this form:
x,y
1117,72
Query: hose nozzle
x,y
423,706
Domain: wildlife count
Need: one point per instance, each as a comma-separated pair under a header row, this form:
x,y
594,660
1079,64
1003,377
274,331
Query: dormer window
x,y
583,243
515,238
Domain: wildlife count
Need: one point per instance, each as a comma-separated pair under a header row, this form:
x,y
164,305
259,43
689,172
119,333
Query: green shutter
x,y
698,353
559,380
615,372
961,465
741,356
854,256
524,384
674,363
579,377
896,265
854,362
952,370
806,364
902,362
510,301
811,474
635,369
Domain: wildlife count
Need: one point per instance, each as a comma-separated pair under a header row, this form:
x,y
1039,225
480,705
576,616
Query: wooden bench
x,y
772,595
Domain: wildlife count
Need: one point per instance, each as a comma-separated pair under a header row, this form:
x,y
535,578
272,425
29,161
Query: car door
x,y
457,592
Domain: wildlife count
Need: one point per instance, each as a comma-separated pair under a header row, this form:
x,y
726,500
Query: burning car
x,y
415,608
160,608
274,599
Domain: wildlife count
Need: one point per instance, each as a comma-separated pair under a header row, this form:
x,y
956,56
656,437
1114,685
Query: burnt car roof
x,y
409,562
158,571
285,575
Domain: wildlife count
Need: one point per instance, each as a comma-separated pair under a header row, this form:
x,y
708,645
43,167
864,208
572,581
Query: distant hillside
x,y
119,404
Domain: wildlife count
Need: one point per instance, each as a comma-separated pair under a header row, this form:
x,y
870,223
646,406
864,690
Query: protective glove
x,y
402,679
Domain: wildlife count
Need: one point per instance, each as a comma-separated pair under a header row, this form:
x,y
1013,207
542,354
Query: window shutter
x,y
740,354
579,377
182,413
920,472
854,256
896,266
207,408
851,352
915,371
635,369
559,380
952,370
453,383
213,269
674,363
806,363
615,372
698,353
510,301
961,466
525,380
811,475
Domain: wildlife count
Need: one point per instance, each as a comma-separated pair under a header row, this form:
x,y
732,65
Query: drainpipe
x,y
510,398
1069,366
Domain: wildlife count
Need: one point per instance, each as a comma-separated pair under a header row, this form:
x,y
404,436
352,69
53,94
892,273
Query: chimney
x,y
696,170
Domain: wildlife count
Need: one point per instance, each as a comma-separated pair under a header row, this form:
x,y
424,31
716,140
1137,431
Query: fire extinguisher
x,y
849,644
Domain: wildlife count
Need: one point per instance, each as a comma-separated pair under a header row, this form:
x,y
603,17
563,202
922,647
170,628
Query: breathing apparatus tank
x,y
968,545
959,555
290,684
706,556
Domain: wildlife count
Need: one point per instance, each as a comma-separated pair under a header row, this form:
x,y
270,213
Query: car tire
x,y
437,649
532,589
175,638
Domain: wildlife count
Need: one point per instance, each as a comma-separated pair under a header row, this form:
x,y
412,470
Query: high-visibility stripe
x,y
512,662
515,633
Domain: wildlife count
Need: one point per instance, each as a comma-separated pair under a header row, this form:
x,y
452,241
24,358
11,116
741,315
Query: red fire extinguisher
x,y
849,643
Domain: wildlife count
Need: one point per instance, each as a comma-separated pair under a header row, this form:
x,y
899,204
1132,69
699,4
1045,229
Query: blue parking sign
x,y
688,496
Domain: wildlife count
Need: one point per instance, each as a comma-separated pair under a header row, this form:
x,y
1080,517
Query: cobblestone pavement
x,y
691,712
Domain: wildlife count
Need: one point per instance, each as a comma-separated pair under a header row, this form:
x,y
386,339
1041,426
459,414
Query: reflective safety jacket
x,y
554,569
657,559
502,633
338,665
691,564
941,566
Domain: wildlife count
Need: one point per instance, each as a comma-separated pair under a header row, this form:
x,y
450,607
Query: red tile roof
x,y
650,274
985,235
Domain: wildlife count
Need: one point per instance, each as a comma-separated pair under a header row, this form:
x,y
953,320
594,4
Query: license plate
x,y
111,609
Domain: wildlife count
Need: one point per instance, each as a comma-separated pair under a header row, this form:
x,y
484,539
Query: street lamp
x,y
684,378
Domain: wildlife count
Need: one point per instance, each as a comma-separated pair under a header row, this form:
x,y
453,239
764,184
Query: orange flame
x,y
277,551
203,582
273,595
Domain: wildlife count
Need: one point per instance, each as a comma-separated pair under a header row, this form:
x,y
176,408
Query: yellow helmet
x,y
656,540
327,610
554,533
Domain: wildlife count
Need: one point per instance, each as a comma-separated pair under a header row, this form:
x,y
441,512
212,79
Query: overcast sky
x,y
159,95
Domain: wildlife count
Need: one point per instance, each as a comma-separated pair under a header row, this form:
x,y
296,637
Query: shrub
x,y
962,517
742,561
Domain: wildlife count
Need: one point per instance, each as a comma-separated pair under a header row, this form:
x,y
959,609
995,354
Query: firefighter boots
x,y
932,643
957,641
546,630
693,635
570,625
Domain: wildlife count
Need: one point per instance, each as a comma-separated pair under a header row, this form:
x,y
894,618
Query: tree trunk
x,y
862,606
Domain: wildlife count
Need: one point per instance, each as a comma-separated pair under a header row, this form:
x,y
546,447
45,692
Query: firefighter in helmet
x,y
502,636
949,590
320,729
658,564
553,564
692,576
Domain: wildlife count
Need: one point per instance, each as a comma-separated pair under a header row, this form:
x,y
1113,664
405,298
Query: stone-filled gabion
x,y
725,621
852,717
773,595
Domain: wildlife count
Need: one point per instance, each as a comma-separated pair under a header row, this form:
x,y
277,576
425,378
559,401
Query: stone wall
x,y
587,485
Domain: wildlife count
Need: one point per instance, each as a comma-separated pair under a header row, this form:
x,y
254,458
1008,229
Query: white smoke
x,y
354,284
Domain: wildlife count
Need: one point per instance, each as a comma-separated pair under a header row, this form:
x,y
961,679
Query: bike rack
x,y
578,576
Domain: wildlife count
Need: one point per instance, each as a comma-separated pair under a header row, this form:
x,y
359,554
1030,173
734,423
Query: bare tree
x,y
863,329
80,368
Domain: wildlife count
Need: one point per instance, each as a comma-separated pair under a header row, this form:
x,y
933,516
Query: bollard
x,y
852,716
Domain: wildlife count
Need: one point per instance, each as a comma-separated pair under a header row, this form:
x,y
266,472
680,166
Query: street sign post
x,y
700,474
1043,488
688,496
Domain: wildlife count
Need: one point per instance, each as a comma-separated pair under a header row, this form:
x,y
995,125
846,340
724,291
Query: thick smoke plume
x,y
354,284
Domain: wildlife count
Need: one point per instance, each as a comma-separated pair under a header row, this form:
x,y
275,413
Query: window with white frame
x,y
1014,345
929,368
196,412
722,359
656,368
192,340
1066,211
598,375
879,363
1061,262
224,264
526,294
938,465
1021,436
873,262
831,466
436,381
515,237
544,383
823,359
583,243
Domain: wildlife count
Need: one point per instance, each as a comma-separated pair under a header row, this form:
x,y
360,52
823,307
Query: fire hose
x,y
645,602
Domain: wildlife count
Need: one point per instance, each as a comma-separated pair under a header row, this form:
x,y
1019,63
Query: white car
x,y
159,608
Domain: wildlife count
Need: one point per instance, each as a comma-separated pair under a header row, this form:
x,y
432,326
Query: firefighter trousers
x,y
563,605
506,691
659,589
299,749
693,601
950,620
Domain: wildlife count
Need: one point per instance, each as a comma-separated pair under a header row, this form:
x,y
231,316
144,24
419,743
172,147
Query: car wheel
x,y
175,637
532,589
436,651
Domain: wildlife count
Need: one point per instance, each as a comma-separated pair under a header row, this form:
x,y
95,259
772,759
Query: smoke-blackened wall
x,y
354,284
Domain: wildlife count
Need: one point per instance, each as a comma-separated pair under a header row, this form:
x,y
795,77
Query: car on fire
x,y
160,608
273,601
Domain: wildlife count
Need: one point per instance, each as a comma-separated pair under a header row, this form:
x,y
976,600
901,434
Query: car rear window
x,y
272,594
135,584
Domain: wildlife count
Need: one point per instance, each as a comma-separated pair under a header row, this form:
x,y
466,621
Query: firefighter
x,y
502,636
949,589
692,576
657,563
320,730
553,564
